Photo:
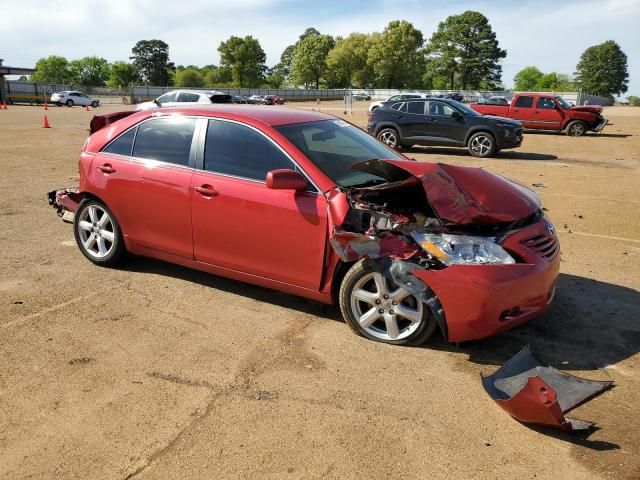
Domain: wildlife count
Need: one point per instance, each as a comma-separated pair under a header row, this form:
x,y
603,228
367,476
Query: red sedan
x,y
309,204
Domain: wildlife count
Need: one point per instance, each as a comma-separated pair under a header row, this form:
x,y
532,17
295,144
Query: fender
x,y
477,129
386,124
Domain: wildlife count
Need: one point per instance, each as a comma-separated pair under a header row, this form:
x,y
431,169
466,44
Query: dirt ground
x,y
155,371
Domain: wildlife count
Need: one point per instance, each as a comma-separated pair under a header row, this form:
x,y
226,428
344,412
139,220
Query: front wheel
x,y
576,128
98,234
378,309
482,145
389,136
94,104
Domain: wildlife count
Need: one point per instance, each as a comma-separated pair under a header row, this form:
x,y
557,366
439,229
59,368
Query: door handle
x,y
206,190
106,168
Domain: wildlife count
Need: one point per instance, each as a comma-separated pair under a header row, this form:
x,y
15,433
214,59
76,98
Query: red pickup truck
x,y
548,112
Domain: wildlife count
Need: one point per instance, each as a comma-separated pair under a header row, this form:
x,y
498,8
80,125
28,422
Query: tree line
x,y
463,53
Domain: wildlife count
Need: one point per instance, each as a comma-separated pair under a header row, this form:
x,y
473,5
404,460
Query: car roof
x,y
268,116
204,92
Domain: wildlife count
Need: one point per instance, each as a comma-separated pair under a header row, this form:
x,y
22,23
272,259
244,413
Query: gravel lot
x,y
156,371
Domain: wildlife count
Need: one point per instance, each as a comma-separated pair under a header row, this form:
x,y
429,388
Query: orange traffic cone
x,y
45,123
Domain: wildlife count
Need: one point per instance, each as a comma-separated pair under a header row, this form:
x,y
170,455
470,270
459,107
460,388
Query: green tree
x,y
526,80
151,58
309,64
602,70
348,63
122,74
396,55
633,100
217,76
465,47
245,57
189,77
91,71
274,78
53,69
286,59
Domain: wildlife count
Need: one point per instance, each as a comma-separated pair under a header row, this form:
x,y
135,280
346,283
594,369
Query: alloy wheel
x,y
389,137
383,309
577,129
481,145
96,231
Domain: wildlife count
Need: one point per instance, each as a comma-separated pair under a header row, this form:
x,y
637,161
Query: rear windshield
x,y
334,146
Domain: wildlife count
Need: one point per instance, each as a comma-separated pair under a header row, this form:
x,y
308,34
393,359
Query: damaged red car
x,y
309,204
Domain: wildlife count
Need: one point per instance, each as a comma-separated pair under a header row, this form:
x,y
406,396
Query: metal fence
x,y
30,92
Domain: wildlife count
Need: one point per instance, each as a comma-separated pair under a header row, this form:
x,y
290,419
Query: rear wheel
x,y
94,104
69,103
576,128
378,309
482,145
389,136
98,234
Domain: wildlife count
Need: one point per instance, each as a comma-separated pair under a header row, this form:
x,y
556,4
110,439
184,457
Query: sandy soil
x,y
156,371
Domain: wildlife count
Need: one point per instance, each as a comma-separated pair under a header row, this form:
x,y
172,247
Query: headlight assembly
x,y
462,249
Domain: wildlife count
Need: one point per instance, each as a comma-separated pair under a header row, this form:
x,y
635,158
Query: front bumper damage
x,y
600,125
532,392
65,202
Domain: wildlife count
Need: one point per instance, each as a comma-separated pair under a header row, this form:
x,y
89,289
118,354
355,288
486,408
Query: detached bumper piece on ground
x,y
535,393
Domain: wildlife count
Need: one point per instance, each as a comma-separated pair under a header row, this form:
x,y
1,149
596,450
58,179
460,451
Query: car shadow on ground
x,y
461,152
590,325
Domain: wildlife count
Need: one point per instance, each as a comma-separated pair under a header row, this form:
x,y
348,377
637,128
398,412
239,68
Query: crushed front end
x,y
473,246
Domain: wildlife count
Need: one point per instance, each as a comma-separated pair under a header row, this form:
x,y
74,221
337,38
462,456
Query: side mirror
x,y
285,179
456,115
157,102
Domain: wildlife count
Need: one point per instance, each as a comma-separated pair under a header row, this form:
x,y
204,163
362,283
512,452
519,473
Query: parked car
x,y
361,96
273,100
177,98
543,111
256,99
453,96
396,98
239,99
442,122
494,100
71,98
319,218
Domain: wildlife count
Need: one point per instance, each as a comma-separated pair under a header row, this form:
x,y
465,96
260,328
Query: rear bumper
x,y
482,301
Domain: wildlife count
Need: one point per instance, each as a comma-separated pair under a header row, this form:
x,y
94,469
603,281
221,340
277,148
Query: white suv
x,y
184,98
71,98
396,98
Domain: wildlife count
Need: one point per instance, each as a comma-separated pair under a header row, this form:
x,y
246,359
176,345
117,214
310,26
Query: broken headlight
x,y
462,249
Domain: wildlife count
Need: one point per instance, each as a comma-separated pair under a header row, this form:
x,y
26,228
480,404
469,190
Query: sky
x,y
546,33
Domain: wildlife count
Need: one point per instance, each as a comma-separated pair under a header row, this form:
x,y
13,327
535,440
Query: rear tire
x,y
364,293
69,103
94,104
481,145
577,128
389,136
98,234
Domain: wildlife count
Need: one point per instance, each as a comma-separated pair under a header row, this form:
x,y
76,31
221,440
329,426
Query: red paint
x,y
544,118
279,238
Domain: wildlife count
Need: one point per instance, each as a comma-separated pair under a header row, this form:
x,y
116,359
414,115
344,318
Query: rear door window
x,y
165,139
415,107
188,97
240,151
524,102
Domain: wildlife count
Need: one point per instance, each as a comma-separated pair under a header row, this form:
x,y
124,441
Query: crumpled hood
x,y
462,195
597,109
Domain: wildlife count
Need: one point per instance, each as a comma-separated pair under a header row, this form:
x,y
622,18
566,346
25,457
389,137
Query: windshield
x,y
563,102
334,146
467,110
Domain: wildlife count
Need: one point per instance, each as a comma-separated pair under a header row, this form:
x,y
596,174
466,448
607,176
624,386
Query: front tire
x,y
576,128
94,104
389,136
376,308
98,234
482,145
